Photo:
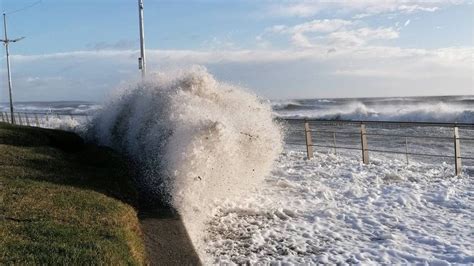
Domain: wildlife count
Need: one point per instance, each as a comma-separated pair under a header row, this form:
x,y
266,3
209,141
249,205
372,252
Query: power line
x,y
24,8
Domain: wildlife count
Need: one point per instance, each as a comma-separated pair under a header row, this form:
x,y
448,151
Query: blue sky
x,y
82,50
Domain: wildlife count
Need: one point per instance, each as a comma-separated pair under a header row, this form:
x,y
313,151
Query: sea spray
x,y
67,123
196,140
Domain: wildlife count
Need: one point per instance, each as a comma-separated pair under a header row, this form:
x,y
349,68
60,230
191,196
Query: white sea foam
x,y
335,210
197,140
75,124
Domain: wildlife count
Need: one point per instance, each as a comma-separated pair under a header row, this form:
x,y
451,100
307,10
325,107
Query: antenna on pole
x,y
141,59
6,42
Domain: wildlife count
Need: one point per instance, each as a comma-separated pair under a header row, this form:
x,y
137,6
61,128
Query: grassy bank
x,y
64,202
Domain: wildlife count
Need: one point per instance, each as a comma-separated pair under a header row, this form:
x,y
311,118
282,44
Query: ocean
x,y
247,195
416,109
436,109
450,109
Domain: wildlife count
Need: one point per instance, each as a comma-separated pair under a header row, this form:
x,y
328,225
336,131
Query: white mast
x,y
142,59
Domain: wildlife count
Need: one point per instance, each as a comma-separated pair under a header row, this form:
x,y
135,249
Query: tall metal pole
x,y
8,69
142,59
6,42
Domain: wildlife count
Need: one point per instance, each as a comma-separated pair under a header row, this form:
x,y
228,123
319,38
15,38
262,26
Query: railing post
x,y
334,142
8,118
457,152
363,141
27,120
3,118
36,119
309,141
19,119
406,149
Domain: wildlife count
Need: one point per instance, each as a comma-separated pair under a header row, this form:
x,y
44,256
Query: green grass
x,y
65,202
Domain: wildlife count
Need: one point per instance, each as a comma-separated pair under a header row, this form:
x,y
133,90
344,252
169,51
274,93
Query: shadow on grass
x,y
63,158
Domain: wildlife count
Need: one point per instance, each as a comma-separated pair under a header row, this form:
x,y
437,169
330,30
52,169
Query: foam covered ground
x,y
334,209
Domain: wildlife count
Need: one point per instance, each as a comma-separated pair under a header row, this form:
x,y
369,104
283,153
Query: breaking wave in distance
x,y
404,110
196,141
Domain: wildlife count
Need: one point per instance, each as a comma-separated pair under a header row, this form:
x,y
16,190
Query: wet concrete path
x,y
166,239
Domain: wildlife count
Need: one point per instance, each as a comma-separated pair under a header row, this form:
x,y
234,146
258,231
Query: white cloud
x,y
324,26
123,44
362,8
361,36
300,40
41,80
414,8
334,33
277,29
220,43
312,72
303,9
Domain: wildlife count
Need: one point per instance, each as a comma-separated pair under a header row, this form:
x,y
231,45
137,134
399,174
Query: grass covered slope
x,y
63,201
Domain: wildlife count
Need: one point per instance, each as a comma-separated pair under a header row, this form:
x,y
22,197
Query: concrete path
x,y
166,239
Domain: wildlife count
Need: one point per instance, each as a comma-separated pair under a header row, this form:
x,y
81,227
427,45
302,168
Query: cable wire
x,y
24,8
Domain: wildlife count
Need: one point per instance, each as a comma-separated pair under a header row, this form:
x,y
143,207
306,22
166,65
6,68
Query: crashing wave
x,y
196,140
426,112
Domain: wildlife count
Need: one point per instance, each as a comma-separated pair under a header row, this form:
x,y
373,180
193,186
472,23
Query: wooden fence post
x,y
3,118
457,152
363,141
309,141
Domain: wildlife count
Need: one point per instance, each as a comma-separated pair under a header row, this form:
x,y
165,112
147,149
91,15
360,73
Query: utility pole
x,y
6,42
141,60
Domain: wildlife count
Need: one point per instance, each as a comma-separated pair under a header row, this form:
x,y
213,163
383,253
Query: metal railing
x,y
302,132
38,119
336,135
